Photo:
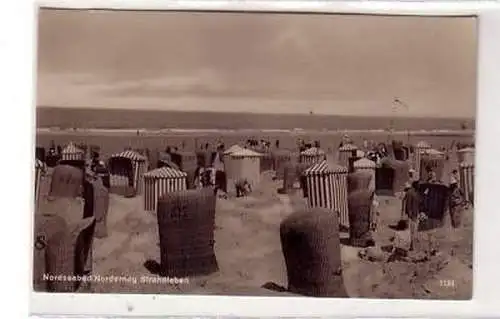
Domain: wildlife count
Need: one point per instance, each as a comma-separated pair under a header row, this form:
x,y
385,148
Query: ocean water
x,y
115,130
146,119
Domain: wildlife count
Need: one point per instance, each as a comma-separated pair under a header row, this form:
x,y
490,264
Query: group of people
x,y
412,207
213,174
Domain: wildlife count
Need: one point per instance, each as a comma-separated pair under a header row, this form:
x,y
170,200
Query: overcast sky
x,y
332,64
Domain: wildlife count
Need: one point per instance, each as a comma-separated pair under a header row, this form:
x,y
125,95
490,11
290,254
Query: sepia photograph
x,y
245,153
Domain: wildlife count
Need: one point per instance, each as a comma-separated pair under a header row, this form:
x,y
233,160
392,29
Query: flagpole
x,y
398,101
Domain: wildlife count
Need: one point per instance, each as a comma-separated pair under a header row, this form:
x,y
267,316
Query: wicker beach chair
x,y
281,158
66,181
359,180
186,223
61,252
311,247
360,205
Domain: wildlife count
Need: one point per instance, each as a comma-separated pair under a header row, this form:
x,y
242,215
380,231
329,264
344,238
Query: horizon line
x,y
150,109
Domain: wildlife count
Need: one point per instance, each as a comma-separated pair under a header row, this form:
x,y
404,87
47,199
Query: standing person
x,y
455,176
407,187
302,145
365,145
457,203
412,174
432,177
218,166
412,177
374,217
52,149
412,210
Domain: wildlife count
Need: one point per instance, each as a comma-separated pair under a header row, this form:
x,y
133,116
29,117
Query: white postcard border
x,y
487,256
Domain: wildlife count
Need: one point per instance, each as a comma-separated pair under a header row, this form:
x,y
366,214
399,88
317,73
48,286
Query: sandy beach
x,y
249,254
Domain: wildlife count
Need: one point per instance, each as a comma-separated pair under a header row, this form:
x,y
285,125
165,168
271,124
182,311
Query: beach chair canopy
x,y
71,148
245,153
130,155
313,151
232,149
325,167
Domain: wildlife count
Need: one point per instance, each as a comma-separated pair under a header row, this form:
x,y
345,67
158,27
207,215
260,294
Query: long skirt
x,y
456,214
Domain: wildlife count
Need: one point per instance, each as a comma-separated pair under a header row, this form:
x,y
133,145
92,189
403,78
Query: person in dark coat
x,y
217,163
457,203
52,148
432,177
412,210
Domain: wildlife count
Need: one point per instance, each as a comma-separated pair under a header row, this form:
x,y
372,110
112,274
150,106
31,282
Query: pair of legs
x,y
413,224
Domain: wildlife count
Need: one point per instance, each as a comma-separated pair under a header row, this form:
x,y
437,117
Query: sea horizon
x,y
113,119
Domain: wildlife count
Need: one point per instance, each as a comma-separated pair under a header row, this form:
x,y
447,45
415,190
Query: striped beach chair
x,y
72,153
466,155
127,169
346,152
466,172
368,166
312,156
159,182
326,187
434,160
420,148
244,165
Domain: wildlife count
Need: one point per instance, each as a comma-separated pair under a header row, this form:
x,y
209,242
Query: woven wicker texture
x,y
66,181
154,157
266,162
186,223
60,249
289,176
280,159
350,163
78,163
84,240
400,176
311,248
430,162
40,153
400,153
185,160
359,180
435,203
293,172
360,205
384,179
50,253
96,198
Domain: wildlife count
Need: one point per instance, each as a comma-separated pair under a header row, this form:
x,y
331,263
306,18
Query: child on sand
x,y
457,203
